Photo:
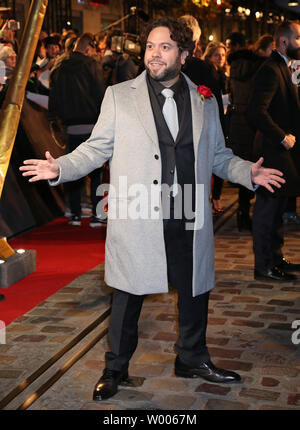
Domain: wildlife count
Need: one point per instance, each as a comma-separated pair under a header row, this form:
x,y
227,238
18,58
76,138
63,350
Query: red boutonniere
x,y
204,92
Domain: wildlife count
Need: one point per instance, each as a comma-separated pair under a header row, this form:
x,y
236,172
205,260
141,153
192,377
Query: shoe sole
x,y
183,374
102,398
76,224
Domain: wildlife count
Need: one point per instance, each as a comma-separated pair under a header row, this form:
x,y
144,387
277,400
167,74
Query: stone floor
x,y
249,331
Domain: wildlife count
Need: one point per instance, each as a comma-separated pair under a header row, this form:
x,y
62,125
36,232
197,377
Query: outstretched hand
x,y
41,169
265,176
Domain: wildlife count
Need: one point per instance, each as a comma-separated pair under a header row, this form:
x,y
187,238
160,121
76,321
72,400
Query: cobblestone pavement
x,y
249,331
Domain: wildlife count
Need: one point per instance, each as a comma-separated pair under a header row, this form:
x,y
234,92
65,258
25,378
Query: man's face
x,y
231,48
162,59
52,51
293,45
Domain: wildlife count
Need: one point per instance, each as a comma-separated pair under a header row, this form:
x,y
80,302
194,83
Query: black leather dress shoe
x,y
274,274
206,371
287,266
107,386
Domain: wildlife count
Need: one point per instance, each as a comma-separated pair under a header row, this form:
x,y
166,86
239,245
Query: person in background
x,y
43,34
244,64
52,47
264,45
76,92
9,59
215,54
117,67
8,36
274,110
69,45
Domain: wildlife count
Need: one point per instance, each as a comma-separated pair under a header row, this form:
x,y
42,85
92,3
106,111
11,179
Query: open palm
x,y
265,176
40,169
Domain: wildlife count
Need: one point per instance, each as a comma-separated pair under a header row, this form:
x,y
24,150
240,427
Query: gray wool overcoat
x,y
125,134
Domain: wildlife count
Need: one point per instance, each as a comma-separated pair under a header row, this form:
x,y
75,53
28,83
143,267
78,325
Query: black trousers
x,y
217,187
74,188
245,196
193,311
267,229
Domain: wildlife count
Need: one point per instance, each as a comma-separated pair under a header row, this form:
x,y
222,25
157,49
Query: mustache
x,y
156,60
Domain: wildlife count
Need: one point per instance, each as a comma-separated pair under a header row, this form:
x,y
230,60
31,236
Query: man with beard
x,y
138,132
275,112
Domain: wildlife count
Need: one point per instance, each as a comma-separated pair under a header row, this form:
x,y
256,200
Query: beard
x,y
168,73
293,53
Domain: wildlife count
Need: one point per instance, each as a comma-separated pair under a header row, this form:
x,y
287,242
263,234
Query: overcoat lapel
x,y
197,113
142,103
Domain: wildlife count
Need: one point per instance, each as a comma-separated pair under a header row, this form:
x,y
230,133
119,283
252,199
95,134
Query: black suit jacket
x,y
274,110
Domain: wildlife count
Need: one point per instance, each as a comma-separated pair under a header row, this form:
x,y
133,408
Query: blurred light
x,y
248,12
20,251
2,261
68,22
219,2
240,9
211,38
292,3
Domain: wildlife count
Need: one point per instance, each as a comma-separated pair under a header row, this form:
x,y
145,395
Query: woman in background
x,y
215,54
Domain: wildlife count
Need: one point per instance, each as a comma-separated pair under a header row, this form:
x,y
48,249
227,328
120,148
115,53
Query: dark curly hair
x,y
180,33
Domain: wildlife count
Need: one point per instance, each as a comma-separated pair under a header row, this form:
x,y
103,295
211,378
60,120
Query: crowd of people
x,y
227,68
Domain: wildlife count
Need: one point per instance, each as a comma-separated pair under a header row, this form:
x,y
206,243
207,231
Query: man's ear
x,y
184,55
283,41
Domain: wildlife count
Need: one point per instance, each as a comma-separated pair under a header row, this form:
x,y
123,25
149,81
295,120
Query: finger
x,y
34,179
269,188
278,179
275,183
260,161
24,168
274,172
48,156
34,162
30,173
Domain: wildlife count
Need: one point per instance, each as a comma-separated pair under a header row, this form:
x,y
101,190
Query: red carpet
x,y
64,252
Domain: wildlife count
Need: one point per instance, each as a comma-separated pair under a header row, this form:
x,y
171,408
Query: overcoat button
x,y
155,182
156,157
